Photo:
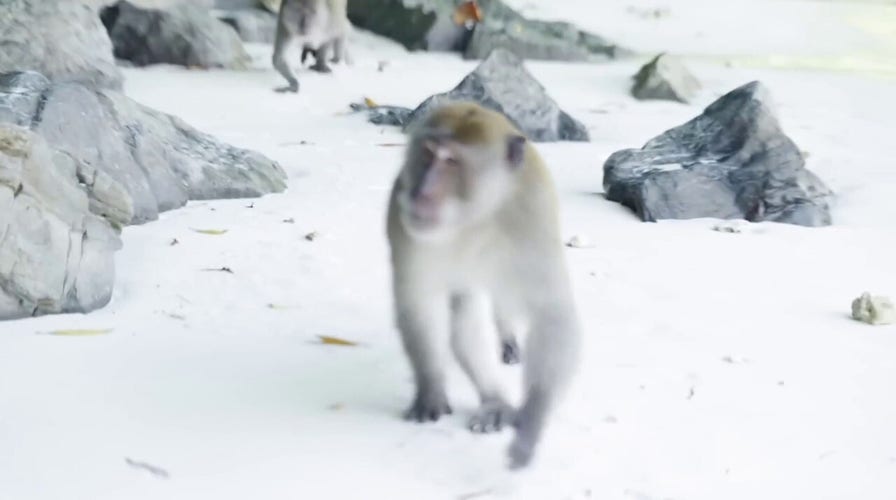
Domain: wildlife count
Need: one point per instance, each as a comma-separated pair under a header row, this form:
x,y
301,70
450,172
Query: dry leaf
x,y
336,406
211,231
370,103
76,332
390,144
467,12
174,242
311,236
224,269
289,221
152,469
327,340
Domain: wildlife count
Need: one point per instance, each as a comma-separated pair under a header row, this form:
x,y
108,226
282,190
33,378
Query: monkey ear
x,y
516,150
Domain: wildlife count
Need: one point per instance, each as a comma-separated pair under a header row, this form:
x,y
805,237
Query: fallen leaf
x,y
370,102
251,205
327,340
336,407
311,236
224,269
152,469
467,12
390,144
210,231
289,221
174,242
176,316
80,332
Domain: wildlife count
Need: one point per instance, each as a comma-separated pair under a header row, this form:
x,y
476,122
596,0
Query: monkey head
x,y
461,165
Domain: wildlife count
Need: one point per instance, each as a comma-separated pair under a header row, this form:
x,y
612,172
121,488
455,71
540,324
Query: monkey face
x,y
447,185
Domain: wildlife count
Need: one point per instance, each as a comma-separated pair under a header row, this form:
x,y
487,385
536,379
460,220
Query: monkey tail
x,y
551,359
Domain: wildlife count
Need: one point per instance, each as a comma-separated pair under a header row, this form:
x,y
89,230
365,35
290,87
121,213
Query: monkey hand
x,y
428,406
510,352
492,416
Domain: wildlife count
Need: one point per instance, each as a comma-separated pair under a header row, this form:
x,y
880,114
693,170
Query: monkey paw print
x,y
492,416
428,407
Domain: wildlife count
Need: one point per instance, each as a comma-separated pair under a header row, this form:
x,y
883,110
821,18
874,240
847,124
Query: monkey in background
x,y
477,258
321,25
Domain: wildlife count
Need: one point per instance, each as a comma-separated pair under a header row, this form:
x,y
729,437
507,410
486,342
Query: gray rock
x,y
430,25
502,83
503,27
666,78
186,34
874,309
55,255
135,161
416,24
731,162
252,25
62,39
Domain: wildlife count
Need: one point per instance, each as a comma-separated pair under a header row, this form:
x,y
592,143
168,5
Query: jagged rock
x,y
731,162
252,25
502,83
55,255
874,309
665,77
185,33
124,148
416,24
432,25
503,27
63,39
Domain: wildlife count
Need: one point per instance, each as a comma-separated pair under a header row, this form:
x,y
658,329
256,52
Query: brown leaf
x,y
80,332
327,340
214,232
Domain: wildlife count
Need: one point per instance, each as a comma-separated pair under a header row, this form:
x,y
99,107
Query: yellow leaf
x,y
370,102
81,332
211,231
324,339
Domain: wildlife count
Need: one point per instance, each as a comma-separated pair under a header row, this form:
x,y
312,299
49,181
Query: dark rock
x,y
502,83
185,33
56,256
62,39
157,160
389,115
666,78
416,24
503,27
731,162
252,25
430,25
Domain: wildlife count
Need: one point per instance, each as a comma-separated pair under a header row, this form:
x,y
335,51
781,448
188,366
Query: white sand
x,y
719,366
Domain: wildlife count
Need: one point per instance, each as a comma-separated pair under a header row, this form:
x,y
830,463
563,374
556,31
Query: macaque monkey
x,y
320,25
477,258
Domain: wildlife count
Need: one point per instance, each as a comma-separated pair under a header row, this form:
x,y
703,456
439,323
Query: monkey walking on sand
x,y
320,25
474,237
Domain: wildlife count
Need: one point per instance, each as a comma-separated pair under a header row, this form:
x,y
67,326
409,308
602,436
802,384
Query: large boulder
x,y
63,39
436,25
55,255
253,25
731,162
503,27
185,33
665,77
502,83
157,160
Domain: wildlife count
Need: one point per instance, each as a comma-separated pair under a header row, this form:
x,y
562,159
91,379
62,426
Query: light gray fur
x,y
319,26
497,271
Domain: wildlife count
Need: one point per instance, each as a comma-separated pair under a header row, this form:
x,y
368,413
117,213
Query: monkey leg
x,y
510,348
320,64
338,50
281,42
551,357
307,50
473,341
423,324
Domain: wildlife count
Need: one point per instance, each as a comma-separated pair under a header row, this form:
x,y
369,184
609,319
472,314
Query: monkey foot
x,y
428,407
322,68
289,88
510,352
520,452
492,416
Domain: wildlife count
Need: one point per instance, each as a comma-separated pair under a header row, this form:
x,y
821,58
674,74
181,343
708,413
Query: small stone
x,y
579,241
874,309
665,78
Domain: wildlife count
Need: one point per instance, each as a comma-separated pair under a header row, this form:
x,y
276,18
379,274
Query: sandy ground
x,y
717,365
